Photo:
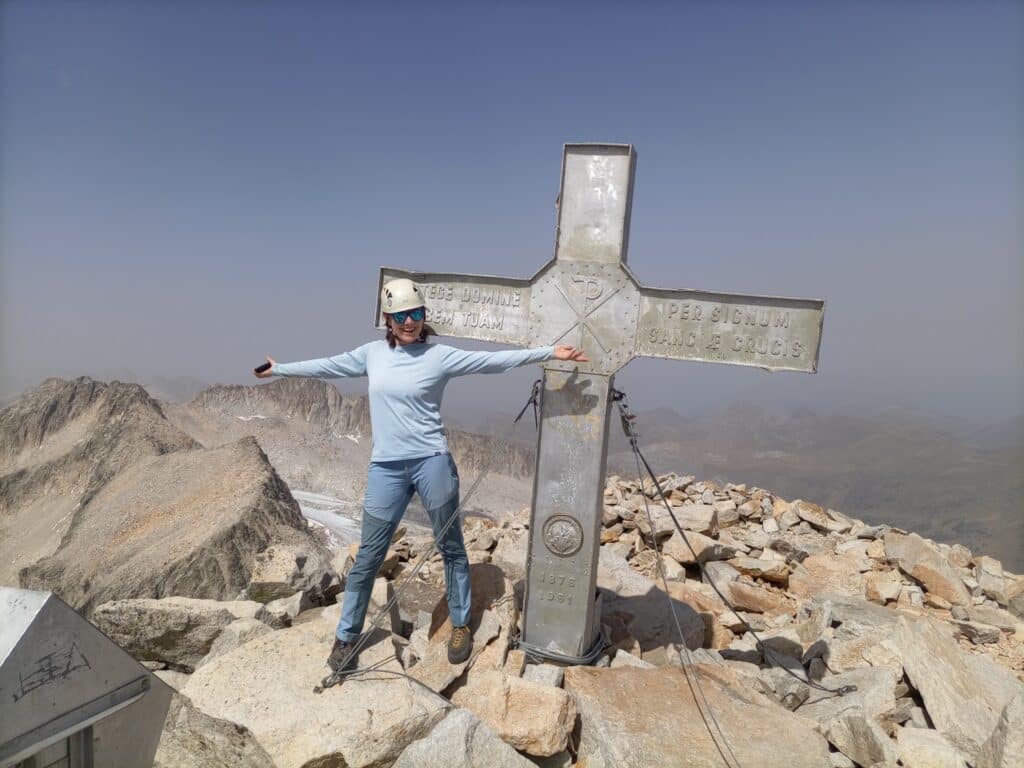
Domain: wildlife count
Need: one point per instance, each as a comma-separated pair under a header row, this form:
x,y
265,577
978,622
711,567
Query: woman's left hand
x,y
566,352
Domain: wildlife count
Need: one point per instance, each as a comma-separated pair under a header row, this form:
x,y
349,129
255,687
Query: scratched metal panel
x,y
595,200
59,665
572,447
766,332
470,306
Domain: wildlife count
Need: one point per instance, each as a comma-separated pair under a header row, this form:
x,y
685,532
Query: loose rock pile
x,y
931,635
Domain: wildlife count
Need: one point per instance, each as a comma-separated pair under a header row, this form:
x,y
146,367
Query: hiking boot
x,y
459,645
338,656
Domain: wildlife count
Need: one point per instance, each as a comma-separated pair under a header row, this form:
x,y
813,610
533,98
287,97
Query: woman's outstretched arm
x,y
459,362
345,365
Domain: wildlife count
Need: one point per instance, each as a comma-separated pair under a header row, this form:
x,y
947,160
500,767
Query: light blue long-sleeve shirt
x,y
406,385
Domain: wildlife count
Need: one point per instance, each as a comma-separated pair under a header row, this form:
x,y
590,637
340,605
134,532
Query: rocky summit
x,y
733,617
781,603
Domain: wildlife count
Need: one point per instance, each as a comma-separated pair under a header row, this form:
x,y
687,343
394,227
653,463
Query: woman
x,y
407,378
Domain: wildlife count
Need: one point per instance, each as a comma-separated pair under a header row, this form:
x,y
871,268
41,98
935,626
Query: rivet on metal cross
x,y
588,287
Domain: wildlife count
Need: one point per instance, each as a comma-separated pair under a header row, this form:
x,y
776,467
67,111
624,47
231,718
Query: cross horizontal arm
x,y
470,306
766,332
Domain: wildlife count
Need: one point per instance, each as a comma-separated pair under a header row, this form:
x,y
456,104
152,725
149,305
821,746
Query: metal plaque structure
x,y
586,296
69,695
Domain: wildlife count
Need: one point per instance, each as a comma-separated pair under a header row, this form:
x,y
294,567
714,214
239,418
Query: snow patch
x,y
340,516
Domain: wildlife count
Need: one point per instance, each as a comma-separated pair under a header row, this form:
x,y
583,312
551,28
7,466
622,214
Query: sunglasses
x,y
416,314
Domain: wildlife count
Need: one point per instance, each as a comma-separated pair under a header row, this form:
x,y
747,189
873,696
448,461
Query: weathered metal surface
x,y
568,497
587,297
590,305
470,306
59,675
767,332
594,203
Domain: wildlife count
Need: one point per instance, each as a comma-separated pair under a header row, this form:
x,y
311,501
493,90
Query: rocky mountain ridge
x,y
60,444
312,401
320,441
322,407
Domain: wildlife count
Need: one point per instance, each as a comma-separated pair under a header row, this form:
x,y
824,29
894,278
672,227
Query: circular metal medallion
x,y
563,535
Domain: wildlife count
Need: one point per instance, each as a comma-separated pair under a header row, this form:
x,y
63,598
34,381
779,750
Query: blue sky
x,y
186,187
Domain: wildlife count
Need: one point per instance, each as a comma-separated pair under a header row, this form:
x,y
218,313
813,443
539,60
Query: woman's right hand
x,y
267,373
568,352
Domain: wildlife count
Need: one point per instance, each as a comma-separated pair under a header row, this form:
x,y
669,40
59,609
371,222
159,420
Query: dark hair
x,y
424,332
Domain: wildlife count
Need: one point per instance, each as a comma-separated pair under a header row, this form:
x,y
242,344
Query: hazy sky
x,y
186,187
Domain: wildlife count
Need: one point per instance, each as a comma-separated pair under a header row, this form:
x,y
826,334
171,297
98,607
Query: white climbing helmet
x,y
400,294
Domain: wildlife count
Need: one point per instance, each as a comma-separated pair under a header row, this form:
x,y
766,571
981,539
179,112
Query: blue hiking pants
x,y
389,488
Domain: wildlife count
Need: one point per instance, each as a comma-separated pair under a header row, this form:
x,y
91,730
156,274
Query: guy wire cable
x,y
336,677
627,426
537,653
375,668
692,678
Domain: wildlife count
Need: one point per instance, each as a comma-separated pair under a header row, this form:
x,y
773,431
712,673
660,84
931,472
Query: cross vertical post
x,y
581,299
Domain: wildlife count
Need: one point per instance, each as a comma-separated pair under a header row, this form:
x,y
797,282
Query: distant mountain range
x,y
905,468
897,468
909,469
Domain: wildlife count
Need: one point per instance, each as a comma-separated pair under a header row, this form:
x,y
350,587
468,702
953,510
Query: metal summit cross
x,y
586,296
